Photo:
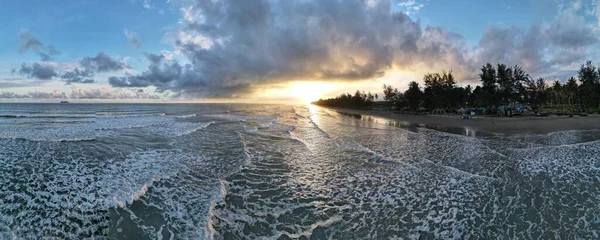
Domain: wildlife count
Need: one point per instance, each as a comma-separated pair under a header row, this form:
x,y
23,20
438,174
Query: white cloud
x,y
411,6
110,93
33,95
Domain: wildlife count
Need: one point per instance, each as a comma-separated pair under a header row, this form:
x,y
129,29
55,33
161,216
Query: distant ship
x,y
64,101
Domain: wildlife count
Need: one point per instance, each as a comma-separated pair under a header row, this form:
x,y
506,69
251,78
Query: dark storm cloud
x,y
166,75
102,62
78,76
38,71
30,42
89,66
239,45
231,48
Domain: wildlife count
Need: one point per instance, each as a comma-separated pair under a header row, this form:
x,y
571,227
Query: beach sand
x,y
482,124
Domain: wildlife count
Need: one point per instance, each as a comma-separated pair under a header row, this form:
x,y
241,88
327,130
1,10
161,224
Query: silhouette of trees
x,y
571,89
535,93
590,85
413,96
501,87
441,91
437,89
346,100
393,96
487,94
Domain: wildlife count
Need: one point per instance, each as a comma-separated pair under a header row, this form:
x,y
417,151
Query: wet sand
x,y
504,125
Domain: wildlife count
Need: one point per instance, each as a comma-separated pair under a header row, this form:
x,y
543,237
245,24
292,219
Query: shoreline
x,y
503,125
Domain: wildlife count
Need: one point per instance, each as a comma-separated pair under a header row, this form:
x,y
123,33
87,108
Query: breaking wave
x,y
100,127
265,172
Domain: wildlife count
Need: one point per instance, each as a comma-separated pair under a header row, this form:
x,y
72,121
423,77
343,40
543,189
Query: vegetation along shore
x,y
504,92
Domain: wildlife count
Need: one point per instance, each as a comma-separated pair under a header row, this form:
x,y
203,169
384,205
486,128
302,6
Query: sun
x,y
298,91
307,92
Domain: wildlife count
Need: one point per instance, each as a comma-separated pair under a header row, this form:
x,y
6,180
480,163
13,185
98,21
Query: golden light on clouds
x,y
301,91
309,91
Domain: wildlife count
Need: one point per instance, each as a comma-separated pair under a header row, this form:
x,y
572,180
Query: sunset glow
x,y
301,91
297,56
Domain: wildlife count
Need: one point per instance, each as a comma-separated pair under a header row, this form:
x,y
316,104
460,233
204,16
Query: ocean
x,y
234,171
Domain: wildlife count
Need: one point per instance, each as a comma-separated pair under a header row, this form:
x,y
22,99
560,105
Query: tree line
x,y
346,100
501,86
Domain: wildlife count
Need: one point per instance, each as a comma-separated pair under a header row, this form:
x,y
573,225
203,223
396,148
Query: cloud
x,y
102,62
38,71
133,38
79,93
528,48
411,6
72,72
56,94
552,50
234,47
163,74
30,42
109,93
20,82
78,76
49,53
569,30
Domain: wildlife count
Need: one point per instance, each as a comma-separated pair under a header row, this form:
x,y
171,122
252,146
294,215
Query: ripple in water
x,y
264,172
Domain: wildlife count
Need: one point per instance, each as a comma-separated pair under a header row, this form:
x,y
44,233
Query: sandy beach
x,y
505,125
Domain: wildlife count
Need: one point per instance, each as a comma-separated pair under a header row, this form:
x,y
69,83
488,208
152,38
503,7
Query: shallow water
x,y
197,171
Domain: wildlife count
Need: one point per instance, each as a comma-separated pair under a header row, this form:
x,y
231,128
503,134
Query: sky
x,y
277,50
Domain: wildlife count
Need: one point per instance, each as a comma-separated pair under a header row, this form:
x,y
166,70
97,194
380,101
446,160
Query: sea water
x,y
226,171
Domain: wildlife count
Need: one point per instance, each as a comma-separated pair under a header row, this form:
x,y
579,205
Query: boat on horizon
x,y
64,101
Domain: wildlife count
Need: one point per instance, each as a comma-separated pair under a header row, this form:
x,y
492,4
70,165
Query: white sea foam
x,y
102,127
90,189
270,173
186,116
262,121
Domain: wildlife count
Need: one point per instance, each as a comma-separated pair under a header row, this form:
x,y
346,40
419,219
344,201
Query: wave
x,y
186,116
79,180
134,197
559,160
191,130
375,157
261,120
51,116
101,127
562,138
41,139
